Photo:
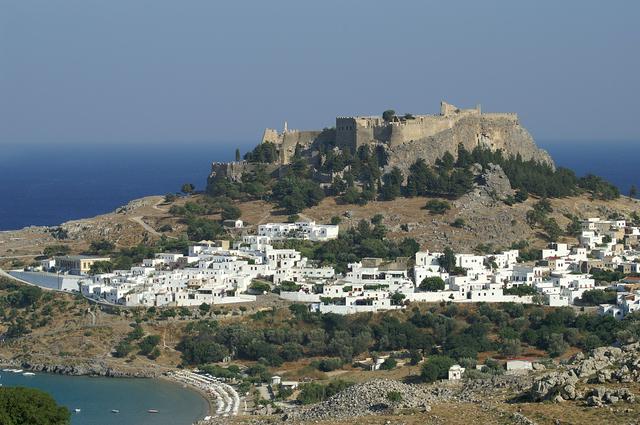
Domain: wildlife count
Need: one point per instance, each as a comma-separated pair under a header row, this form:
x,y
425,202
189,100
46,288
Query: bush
x,y
389,364
122,349
435,206
436,367
394,396
521,290
458,222
598,296
24,296
314,392
328,365
148,344
259,287
293,218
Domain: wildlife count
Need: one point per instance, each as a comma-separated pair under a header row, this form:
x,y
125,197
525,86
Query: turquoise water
x,y
133,397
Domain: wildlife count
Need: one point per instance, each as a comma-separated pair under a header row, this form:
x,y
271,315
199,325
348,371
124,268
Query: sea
x,y
132,397
47,184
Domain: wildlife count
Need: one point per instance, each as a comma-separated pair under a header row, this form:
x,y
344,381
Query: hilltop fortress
x,y
412,136
408,137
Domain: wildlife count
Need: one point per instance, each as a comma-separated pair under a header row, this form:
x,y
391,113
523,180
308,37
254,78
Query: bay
x,y
97,396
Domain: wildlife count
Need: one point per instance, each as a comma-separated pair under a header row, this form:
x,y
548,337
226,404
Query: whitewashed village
x,y
220,272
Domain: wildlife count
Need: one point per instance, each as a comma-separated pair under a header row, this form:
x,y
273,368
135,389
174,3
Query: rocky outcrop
x,y
492,182
368,398
88,368
602,366
493,133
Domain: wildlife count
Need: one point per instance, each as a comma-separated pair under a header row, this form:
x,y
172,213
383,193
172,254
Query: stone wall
x,y
287,140
422,136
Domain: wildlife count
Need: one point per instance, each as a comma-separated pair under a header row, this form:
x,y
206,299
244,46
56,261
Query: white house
x,y
455,372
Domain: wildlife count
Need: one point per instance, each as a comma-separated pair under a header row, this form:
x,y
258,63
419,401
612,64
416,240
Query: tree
x,y
415,357
598,296
188,188
521,195
24,296
388,115
148,344
391,184
56,250
265,152
510,347
101,247
556,345
397,298
377,219
101,267
447,260
203,229
122,349
552,229
436,367
204,308
231,212
30,406
432,284
633,191
238,157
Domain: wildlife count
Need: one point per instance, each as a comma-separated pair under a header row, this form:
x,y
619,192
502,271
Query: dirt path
x,y
139,220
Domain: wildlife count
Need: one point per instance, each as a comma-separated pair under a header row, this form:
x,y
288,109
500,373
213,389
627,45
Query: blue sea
x,y
96,397
50,184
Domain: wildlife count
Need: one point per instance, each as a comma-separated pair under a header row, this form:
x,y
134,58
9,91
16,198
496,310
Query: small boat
x,y
77,410
152,411
115,411
28,374
17,371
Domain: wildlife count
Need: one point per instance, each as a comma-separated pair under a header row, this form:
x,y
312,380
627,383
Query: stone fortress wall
x,y
423,136
287,140
353,132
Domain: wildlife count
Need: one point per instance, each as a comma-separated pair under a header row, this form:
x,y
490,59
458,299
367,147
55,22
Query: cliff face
x,y
481,130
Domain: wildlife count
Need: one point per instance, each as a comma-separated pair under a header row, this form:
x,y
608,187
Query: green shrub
x,y
435,206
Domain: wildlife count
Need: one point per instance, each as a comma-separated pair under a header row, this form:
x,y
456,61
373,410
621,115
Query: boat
x,y
115,411
152,411
28,374
77,410
17,371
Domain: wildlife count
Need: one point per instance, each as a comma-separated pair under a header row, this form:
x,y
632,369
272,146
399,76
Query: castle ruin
x,y
409,137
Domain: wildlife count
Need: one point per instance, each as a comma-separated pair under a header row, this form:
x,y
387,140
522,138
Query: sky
x,y
151,71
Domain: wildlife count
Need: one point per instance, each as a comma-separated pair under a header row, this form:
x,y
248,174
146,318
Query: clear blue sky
x,y
201,70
